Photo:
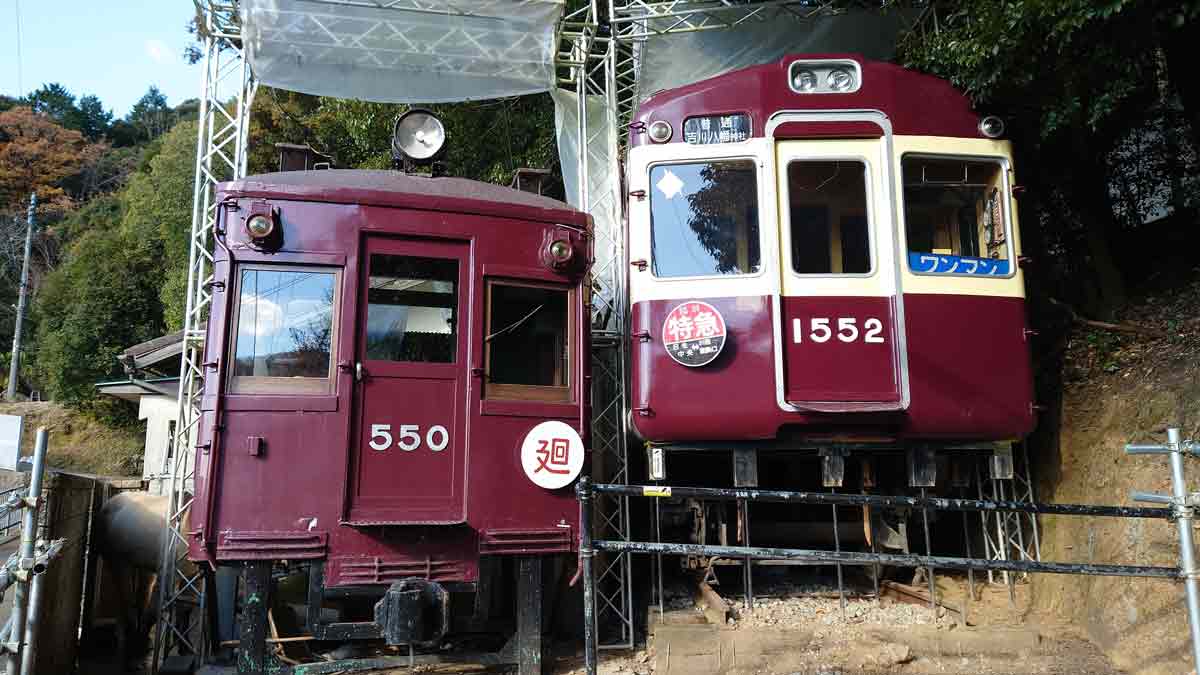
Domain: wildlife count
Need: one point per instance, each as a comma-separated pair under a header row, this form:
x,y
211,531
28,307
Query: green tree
x,y
157,205
1072,77
103,298
93,118
151,114
487,140
57,103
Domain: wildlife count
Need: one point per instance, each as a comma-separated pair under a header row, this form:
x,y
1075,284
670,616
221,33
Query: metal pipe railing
x,y
1181,508
892,501
894,559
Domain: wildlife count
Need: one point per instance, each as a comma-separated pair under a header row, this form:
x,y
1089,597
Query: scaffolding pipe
x,y
26,557
1182,506
32,629
843,499
583,491
894,559
1186,550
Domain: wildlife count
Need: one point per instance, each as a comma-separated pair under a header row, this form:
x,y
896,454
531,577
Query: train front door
x,y
409,457
841,314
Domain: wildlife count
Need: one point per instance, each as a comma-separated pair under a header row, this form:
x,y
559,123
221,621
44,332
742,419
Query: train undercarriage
x,y
975,471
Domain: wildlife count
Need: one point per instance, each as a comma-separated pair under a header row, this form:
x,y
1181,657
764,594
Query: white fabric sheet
x,y
412,51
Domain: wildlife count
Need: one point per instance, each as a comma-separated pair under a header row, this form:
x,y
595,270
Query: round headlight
x,y
260,226
804,80
660,131
991,126
561,252
840,79
418,135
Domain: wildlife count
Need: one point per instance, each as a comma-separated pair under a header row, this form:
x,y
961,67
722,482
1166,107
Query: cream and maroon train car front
x,y
824,250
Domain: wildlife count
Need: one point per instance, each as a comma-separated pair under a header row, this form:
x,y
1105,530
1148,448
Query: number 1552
x,y
821,329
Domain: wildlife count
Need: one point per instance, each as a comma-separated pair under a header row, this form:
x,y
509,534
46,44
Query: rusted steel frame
x,y
895,501
895,559
393,662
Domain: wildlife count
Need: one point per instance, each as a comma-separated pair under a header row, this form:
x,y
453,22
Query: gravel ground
x,y
801,629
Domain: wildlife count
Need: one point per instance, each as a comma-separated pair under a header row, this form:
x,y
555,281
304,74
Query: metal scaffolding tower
x,y
227,92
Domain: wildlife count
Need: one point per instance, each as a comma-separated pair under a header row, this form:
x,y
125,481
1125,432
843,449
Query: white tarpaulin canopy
x,y
673,60
405,51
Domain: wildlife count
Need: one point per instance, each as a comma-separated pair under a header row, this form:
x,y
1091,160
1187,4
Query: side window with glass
x,y
527,347
285,330
704,219
954,216
827,202
412,309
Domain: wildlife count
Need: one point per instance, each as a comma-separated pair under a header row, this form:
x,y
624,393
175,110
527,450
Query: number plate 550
x,y
408,437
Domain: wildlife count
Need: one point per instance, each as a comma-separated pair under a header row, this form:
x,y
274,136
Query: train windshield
x,y
954,216
704,219
284,330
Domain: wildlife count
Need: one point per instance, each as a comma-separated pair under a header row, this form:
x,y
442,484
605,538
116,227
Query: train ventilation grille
x,y
271,545
549,540
379,570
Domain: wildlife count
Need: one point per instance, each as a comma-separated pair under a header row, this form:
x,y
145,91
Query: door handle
x,y
344,366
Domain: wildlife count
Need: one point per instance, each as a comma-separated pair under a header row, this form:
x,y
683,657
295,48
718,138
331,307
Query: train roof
x,y
400,190
916,103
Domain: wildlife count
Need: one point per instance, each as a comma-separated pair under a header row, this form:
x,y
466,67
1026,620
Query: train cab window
x,y
954,216
827,203
704,219
411,305
284,318
527,352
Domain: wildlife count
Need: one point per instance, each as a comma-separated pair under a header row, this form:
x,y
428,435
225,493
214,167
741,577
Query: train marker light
x,y
660,131
418,136
804,80
840,79
260,226
560,252
991,126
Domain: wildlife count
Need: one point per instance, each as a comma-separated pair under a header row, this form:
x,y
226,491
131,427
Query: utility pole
x,y
15,365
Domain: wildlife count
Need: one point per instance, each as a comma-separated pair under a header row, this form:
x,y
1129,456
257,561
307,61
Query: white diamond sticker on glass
x,y
669,185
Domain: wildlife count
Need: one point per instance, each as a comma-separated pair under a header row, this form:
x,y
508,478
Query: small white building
x,y
152,370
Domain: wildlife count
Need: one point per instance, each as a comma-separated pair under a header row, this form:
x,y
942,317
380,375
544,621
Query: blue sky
x,y
114,49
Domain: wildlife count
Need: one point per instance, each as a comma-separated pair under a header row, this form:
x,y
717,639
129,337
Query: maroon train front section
x,y
968,361
291,476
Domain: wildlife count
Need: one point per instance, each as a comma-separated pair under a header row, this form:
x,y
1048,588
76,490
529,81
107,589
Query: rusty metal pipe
x,y
841,499
895,559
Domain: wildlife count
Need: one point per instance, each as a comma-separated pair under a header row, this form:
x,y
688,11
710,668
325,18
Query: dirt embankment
x,y
77,442
1121,388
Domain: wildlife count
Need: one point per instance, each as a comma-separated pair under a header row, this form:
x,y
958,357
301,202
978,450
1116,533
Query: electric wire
x,y
20,80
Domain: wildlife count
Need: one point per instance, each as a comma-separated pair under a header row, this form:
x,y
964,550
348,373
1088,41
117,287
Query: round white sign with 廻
x,y
552,455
